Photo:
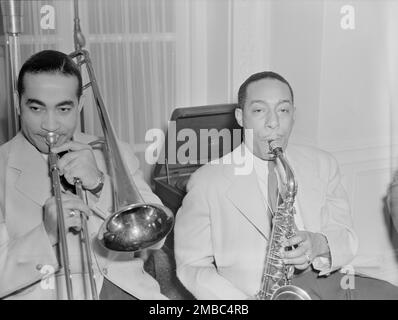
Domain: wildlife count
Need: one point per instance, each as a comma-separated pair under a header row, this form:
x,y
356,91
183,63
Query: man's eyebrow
x,y
257,101
265,103
65,103
35,101
41,103
284,101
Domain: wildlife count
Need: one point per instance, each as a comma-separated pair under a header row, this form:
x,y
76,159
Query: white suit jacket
x,y
26,254
221,229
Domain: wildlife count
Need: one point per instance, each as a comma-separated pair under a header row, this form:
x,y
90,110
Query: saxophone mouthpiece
x,y
275,146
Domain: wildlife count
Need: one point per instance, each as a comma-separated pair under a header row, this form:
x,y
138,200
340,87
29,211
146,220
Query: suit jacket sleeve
x,y
194,250
336,221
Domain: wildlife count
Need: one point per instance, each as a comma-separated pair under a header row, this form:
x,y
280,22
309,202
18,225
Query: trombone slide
x,y
56,184
86,241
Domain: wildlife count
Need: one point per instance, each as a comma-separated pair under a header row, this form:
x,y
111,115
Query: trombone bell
x,y
136,227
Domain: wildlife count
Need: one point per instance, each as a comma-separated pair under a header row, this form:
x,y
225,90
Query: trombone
x,y
135,225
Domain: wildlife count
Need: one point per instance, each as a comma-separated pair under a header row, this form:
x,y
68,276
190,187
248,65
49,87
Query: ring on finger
x,y
308,257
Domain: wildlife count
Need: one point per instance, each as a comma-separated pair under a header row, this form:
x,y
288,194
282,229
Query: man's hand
x,y
307,246
80,163
72,206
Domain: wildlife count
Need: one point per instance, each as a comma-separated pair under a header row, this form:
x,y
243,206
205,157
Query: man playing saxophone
x,y
50,100
223,227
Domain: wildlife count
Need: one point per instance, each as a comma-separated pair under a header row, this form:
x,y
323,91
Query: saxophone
x,y
276,278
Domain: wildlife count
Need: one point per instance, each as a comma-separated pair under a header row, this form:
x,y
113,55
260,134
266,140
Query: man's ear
x,y
18,106
81,102
238,116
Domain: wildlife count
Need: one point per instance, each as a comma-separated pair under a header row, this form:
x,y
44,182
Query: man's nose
x,y
50,122
273,120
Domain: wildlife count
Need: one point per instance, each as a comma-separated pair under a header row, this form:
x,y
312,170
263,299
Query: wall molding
x,y
367,172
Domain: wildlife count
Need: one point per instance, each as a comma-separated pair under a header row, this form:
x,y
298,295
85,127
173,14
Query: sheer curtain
x,y
132,45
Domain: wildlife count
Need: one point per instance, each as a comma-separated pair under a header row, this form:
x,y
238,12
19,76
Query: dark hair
x,y
259,76
50,61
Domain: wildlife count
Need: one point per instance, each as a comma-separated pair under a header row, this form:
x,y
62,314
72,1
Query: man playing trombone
x,y
50,100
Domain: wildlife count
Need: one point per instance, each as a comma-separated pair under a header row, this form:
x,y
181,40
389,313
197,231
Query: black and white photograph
x,y
170,150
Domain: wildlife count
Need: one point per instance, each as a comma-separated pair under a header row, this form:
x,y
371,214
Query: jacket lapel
x,y
245,194
309,201
27,183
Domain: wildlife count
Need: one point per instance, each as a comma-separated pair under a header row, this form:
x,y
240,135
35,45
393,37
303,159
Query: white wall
x,y
341,80
296,53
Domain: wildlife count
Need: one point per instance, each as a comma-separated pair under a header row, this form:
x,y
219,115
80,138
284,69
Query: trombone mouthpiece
x,y
52,138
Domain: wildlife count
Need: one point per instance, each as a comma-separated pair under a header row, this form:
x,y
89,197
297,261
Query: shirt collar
x,y
260,165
